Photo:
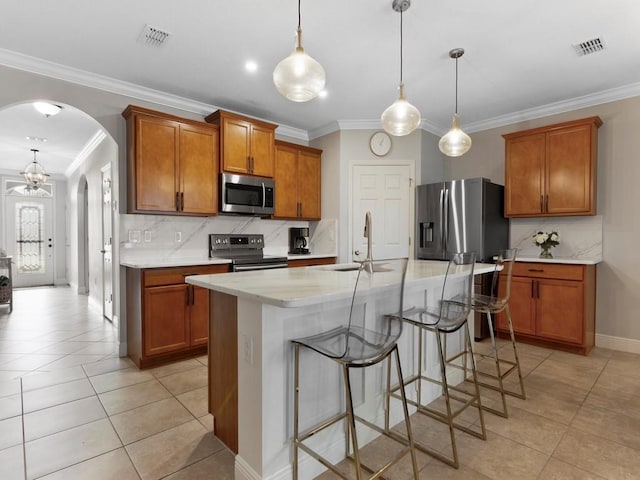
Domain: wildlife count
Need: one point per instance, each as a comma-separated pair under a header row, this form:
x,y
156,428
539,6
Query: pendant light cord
x,y
299,14
456,85
401,47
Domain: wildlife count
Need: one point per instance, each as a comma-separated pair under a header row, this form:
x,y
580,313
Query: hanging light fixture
x,y
47,109
455,142
299,77
401,118
34,173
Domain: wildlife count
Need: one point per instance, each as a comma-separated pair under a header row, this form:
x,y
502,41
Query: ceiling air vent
x,y
152,36
588,47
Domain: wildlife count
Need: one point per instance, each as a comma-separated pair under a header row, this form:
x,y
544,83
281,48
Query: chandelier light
x,y
34,174
401,118
455,142
299,77
47,109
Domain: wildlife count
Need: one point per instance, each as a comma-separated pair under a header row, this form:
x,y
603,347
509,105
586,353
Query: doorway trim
x,y
409,162
83,236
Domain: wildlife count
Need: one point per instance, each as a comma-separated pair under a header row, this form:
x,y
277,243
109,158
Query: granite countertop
x,y
305,286
569,260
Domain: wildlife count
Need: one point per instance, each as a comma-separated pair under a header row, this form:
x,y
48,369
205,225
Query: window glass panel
x,y
29,249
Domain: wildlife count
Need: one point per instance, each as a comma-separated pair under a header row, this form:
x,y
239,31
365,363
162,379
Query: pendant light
x,y
401,118
299,77
34,174
455,142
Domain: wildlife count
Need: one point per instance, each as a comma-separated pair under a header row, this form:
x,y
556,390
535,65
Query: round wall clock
x,y
380,143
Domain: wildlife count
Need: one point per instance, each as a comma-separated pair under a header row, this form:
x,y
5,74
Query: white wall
x,y
618,278
90,169
341,150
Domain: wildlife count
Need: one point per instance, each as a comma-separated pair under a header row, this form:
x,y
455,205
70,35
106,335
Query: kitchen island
x,y
253,317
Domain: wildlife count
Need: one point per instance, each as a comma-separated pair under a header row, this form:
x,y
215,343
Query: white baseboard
x,y
243,470
621,344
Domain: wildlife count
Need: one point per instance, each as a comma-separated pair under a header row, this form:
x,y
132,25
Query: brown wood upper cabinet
x,y
551,171
247,144
297,177
172,164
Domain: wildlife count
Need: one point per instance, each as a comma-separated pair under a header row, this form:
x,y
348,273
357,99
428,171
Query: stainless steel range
x,y
244,251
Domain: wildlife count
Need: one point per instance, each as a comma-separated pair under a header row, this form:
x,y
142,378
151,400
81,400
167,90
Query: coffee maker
x,y
298,240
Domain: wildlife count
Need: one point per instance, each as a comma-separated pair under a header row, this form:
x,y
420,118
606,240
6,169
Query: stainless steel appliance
x,y
247,195
298,240
244,251
461,216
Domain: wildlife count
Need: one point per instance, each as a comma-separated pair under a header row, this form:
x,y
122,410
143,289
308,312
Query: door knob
x,y
356,252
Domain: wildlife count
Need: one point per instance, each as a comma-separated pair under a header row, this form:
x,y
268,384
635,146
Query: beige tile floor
x,y
71,409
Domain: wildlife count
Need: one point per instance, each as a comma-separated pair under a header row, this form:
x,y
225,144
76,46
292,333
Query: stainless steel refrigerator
x,y
461,216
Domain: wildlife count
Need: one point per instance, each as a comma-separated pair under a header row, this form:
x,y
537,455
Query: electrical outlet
x,y
147,235
177,237
134,236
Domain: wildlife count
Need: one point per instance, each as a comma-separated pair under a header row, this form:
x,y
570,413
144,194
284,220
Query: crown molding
x,y
89,147
50,69
65,73
606,96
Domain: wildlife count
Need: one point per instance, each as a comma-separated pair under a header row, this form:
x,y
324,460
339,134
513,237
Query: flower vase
x,y
546,253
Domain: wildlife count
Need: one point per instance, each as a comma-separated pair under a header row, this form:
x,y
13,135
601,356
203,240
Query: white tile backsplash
x,y
580,237
163,230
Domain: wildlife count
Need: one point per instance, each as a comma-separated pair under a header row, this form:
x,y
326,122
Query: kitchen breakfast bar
x,y
253,317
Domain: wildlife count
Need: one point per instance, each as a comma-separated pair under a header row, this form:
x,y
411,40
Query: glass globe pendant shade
x,y
455,142
299,77
400,118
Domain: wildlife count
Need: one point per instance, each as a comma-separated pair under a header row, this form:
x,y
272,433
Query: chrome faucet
x,y
368,266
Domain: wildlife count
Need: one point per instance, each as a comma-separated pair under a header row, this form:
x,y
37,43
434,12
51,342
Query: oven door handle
x,y
246,268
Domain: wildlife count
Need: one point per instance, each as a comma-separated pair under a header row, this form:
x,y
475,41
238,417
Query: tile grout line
x,y
24,443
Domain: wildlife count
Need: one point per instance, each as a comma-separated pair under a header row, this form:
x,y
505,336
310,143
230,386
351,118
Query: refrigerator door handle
x,y
445,223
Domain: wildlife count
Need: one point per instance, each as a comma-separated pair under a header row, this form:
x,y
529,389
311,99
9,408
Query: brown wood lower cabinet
x,y
552,305
166,318
310,262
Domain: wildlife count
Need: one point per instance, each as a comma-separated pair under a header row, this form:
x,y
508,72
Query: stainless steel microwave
x,y
247,195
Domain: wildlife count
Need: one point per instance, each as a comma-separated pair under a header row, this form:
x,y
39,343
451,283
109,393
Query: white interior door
x,y
384,190
30,239
107,236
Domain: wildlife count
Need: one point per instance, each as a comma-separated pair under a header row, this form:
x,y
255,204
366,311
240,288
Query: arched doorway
x,y
74,149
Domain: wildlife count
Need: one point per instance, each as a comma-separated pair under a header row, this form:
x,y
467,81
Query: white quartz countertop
x,y
160,262
570,260
299,287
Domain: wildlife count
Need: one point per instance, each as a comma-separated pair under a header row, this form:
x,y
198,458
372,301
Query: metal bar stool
x,y
449,316
494,303
375,324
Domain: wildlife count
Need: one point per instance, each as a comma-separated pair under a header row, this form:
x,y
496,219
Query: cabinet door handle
x,y
546,203
178,201
542,203
539,270
182,201
300,208
538,289
533,289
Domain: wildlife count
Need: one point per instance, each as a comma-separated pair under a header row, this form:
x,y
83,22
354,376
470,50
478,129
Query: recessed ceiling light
x,y
37,139
251,66
323,94
47,109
